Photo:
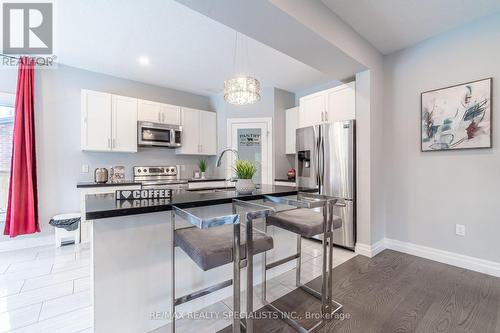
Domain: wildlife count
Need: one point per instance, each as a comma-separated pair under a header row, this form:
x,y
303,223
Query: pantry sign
x,y
249,139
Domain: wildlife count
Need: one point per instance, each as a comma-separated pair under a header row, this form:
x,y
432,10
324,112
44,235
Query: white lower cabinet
x,y
109,122
283,183
199,132
212,184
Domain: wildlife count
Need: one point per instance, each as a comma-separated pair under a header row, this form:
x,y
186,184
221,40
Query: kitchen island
x,y
131,251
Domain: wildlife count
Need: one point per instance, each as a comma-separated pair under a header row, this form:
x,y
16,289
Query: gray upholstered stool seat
x,y
213,247
302,221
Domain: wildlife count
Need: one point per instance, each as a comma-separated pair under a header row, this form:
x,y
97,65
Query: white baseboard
x,y
25,241
445,257
369,251
450,258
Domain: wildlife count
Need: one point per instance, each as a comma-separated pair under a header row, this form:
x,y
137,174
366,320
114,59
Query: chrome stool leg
x,y
206,224
299,260
325,296
236,280
259,211
172,260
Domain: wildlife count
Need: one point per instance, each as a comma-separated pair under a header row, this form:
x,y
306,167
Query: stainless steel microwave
x,y
158,135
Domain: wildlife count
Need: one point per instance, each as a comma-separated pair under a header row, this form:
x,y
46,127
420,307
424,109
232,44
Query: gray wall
x,y
428,193
272,105
282,163
57,112
8,79
315,89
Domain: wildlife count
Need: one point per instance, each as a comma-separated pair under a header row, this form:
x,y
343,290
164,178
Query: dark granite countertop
x,y
284,180
99,206
108,184
131,182
194,180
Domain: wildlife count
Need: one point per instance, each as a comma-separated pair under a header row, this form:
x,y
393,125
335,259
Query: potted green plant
x,y
245,170
202,165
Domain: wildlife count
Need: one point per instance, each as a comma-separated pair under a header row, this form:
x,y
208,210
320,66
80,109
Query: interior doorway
x,y
253,139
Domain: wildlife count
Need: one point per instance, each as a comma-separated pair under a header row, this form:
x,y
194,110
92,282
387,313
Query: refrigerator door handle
x,y
318,178
322,160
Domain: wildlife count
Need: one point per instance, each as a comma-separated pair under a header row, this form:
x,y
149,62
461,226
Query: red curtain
x,y
22,207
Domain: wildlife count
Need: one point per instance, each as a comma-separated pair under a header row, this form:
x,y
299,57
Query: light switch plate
x,y
85,168
460,230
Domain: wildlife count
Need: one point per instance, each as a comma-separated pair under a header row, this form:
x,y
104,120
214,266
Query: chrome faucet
x,y
219,160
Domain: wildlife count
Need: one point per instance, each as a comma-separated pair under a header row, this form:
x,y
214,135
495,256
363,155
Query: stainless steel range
x,y
159,177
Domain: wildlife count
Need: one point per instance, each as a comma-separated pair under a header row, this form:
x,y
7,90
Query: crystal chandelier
x,y
241,89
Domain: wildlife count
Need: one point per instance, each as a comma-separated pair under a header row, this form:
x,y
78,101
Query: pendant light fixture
x,y
241,89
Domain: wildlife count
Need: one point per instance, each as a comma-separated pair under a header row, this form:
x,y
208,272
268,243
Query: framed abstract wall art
x,y
457,117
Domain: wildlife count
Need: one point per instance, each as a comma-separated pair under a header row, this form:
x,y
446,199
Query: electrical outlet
x,y
460,229
85,168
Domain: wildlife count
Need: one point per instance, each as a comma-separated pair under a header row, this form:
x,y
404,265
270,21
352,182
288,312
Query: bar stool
x,y
213,242
305,222
257,211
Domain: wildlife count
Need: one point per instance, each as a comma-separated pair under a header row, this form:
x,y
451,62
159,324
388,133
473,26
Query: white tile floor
x,y
44,289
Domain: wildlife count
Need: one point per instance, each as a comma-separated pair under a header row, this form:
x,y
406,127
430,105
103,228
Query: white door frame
x,y
270,148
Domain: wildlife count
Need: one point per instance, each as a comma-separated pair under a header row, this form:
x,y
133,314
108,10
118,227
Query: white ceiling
x,y
391,25
187,51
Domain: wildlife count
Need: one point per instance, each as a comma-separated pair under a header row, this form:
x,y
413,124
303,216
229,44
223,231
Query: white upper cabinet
x,y
96,121
109,122
190,119
341,103
159,113
312,109
291,123
171,114
208,133
199,132
124,120
329,105
149,111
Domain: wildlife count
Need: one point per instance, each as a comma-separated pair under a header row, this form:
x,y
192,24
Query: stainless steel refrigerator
x,y
326,159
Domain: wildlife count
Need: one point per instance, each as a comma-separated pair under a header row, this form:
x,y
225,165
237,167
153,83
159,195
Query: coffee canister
x,y
101,175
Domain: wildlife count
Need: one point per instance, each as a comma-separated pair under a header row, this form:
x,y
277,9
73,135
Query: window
x,y
6,131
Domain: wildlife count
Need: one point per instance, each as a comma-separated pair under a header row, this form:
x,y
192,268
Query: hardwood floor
x,y
398,293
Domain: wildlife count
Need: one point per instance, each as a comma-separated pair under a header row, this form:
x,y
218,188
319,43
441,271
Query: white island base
x,y
132,270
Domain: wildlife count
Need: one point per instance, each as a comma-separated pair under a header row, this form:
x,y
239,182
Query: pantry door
x,y
252,137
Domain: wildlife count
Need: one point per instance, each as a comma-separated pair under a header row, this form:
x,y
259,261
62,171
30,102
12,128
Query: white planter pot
x,y
245,186
203,175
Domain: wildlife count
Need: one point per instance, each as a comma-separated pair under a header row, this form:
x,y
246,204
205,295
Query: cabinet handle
x,y
113,145
109,142
322,119
326,116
